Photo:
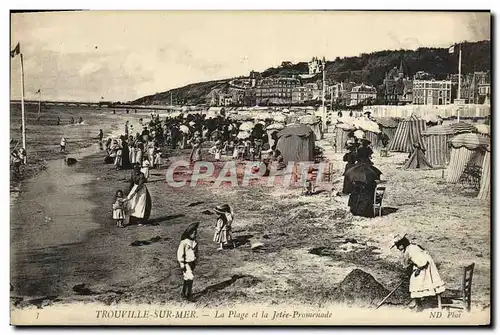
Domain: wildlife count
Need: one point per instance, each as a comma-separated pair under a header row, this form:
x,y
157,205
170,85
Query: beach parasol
x,y
483,129
308,119
359,134
243,135
387,122
184,129
345,126
246,126
277,126
367,125
279,118
364,173
462,127
263,116
471,141
431,118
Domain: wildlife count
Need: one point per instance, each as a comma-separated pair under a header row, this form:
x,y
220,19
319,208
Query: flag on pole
x,y
451,50
16,51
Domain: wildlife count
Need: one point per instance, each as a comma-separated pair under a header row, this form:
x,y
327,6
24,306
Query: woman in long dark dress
x,y
365,152
125,153
350,158
139,204
361,199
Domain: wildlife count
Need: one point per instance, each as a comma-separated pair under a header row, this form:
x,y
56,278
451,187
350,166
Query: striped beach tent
x,y
466,149
417,160
485,190
408,133
436,140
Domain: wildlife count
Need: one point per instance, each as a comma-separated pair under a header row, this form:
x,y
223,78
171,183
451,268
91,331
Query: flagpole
x,y
39,102
459,70
459,78
22,107
323,112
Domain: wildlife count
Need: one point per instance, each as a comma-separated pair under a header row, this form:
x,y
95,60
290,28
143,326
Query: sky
x,y
124,55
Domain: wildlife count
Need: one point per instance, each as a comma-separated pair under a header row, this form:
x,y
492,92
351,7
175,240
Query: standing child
x,y
235,151
157,161
63,144
187,254
145,168
222,233
118,208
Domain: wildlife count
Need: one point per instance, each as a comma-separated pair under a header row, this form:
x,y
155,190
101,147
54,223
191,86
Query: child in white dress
x,y
222,233
157,162
118,208
145,168
425,280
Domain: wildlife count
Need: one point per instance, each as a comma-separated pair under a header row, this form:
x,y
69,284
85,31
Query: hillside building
x,y
276,90
432,92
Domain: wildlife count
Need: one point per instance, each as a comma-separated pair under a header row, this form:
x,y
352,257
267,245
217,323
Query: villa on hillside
x,y
275,90
362,93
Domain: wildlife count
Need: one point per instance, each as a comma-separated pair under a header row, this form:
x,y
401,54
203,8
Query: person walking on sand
x,y
101,135
222,233
17,161
139,200
424,279
187,255
196,151
63,144
118,209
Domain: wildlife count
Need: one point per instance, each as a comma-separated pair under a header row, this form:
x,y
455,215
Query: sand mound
x,y
360,288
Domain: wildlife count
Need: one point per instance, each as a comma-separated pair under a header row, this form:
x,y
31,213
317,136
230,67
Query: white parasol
x,y
242,135
279,118
246,126
184,129
359,134
275,126
308,119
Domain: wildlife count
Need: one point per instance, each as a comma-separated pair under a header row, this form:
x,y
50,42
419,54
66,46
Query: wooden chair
x,y
377,200
464,295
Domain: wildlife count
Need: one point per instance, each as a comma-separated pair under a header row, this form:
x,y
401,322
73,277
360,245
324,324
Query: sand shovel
x,y
389,295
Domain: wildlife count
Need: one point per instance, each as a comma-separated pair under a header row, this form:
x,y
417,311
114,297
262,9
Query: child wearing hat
x,y
187,254
222,233
424,280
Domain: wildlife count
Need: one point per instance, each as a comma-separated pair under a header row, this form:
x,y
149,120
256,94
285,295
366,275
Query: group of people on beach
x,y
134,207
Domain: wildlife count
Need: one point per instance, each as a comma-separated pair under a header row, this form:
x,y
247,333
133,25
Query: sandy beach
x,y
80,255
